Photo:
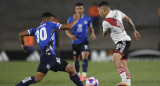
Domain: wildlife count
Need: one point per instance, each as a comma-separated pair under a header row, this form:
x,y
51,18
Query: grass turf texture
x,y
143,73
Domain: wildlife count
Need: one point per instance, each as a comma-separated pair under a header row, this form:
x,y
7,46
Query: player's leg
x,y
76,57
77,64
31,80
62,65
124,62
122,48
41,72
85,55
120,68
73,75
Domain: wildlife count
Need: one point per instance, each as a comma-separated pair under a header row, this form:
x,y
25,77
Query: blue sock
x,y
85,65
27,81
76,64
76,80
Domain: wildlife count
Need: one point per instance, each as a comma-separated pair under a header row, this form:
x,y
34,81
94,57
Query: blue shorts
x,y
78,48
51,62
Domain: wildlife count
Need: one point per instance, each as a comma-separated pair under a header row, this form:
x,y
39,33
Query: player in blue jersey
x,y
45,36
80,44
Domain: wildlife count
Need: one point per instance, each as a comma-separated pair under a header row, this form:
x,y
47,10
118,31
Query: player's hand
x,y
25,48
76,16
93,36
106,34
137,35
73,37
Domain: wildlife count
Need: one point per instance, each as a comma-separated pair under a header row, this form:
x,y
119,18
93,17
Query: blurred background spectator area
x,y
18,15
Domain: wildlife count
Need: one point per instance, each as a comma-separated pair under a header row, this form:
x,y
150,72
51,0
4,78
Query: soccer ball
x,y
91,81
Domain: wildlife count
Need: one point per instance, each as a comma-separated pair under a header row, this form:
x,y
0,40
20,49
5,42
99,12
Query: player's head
x,y
47,16
103,8
79,8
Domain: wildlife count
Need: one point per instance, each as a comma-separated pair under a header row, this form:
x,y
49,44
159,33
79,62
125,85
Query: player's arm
x,y
92,33
105,34
70,35
135,32
106,29
21,38
70,25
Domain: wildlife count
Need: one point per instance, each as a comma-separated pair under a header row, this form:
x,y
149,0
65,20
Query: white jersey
x,y
114,23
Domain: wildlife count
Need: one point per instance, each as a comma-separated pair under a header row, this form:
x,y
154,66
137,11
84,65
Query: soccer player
x,y
80,44
113,26
45,36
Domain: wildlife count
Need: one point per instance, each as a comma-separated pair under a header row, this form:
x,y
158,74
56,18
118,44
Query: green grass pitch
x,y
143,73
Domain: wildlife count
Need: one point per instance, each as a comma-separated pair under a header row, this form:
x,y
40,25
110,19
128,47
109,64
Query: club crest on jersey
x,y
79,25
85,22
79,29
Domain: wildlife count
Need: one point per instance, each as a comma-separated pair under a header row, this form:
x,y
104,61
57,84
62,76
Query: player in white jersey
x,y
113,26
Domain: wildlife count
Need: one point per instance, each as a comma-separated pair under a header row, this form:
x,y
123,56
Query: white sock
x,y
129,82
123,76
122,73
84,74
79,74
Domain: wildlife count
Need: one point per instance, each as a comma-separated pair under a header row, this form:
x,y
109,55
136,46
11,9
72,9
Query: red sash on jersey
x,y
115,22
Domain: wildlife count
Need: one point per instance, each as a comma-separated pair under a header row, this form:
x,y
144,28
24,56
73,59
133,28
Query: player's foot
x,y
129,82
123,83
79,76
83,79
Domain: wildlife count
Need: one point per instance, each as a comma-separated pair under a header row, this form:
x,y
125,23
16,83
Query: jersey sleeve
x,y
70,20
106,26
55,25
89,22
32,31
122,14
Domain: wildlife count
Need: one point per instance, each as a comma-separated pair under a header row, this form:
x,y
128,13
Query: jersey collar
x,y
82,16
110,13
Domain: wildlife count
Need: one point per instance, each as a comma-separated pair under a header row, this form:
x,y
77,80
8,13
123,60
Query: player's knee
x,y
70,69
76,58
85,55
39,76
38,79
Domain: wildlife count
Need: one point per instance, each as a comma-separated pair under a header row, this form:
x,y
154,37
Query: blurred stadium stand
x,y
18,15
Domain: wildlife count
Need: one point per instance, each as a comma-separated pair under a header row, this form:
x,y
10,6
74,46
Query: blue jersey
x,y
45,35
81,28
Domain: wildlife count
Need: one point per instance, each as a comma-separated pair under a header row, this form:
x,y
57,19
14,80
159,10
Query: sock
x,y
27,81
79,74
76,80
84,74
128,75
76,64
85,65
128,79
122,73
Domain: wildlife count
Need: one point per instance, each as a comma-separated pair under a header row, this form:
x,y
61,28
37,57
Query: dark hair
x,y
103,3
79,4
47,14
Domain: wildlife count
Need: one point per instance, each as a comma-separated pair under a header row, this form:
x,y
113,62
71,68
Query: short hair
x,y
79,4
103,3
47,14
